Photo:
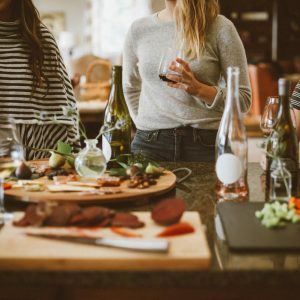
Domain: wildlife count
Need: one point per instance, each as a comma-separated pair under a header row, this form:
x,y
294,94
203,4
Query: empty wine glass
x,y
10,157
269,116
167,58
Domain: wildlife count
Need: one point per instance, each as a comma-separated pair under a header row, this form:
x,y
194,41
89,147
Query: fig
x,y
132,170
56,160
23,171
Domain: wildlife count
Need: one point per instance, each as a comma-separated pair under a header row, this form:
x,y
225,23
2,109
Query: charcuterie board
x,y
186,252
165,183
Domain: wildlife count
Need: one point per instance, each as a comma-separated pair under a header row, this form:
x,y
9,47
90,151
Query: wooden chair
x,y
263,84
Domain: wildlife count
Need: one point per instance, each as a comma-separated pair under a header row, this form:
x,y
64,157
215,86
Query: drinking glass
x,y
169,57
10,157
269,116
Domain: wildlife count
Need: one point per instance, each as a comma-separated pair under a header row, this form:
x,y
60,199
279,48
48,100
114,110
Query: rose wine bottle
x,y
232,146
283,144
116,114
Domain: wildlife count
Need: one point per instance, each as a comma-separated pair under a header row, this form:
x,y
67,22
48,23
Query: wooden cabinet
x,y
269,29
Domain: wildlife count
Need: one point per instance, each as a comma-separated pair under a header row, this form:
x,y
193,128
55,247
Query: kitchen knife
x,y
138,244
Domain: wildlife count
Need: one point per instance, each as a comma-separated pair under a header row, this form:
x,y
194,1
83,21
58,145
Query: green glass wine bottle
x,y
116,115
283,144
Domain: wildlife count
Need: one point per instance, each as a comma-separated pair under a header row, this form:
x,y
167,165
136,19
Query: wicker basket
x,y
98,83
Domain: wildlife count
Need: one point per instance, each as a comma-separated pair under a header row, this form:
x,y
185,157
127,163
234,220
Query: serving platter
x,y
165,183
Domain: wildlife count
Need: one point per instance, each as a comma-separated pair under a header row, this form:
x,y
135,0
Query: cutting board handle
x,y
181,179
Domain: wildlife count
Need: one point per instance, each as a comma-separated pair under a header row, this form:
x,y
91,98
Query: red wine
x,y
163,77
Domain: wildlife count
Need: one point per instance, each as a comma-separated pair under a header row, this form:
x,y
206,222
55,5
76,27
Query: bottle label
x,y
106,148
229,168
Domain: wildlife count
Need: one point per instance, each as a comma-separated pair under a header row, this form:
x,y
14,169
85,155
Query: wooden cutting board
x,y
165,183
244,231
21,252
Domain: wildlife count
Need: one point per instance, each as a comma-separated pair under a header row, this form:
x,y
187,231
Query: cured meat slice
x,y
35,215
91,216
126,220
61,214
109,181
168,211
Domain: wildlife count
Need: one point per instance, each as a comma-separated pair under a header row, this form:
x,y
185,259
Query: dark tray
x,y
243,231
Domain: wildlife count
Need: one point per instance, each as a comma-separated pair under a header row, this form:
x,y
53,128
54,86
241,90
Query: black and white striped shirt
x,y
295,98
37,112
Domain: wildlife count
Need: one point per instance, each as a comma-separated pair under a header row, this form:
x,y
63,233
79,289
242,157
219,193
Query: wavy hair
x,y
193,18
30,30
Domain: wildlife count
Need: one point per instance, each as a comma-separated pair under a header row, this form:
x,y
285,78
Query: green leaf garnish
x,y
64,148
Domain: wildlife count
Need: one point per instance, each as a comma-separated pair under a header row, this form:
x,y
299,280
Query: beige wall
x,y
73,10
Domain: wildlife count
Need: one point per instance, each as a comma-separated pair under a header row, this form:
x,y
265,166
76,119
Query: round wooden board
x,y
165,183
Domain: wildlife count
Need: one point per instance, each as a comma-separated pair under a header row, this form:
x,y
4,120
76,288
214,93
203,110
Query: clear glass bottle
x,y
232,146
280,183
117,141
90,161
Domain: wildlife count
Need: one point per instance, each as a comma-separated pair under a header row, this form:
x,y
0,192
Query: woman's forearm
x,y
206,93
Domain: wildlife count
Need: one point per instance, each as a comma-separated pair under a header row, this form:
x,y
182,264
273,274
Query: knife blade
x,y
137,244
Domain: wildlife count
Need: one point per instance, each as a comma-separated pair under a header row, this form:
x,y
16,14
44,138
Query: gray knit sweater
x,y
154,105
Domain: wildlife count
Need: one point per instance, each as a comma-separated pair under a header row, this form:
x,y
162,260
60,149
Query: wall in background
x,y
73,10
78,33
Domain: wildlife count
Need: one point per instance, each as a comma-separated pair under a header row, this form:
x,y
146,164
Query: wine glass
x,y
10,157
269,116
169,57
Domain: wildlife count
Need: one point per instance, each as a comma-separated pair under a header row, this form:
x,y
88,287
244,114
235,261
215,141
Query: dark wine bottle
x,y
116,115
283,144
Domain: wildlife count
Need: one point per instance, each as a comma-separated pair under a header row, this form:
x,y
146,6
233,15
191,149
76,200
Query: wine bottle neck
x,y
284,103
116,94
232,99
117,76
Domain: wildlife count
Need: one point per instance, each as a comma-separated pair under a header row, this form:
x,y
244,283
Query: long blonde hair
x,y
193,17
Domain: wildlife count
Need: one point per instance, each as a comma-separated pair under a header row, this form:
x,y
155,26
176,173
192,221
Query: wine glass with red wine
x,y
169,57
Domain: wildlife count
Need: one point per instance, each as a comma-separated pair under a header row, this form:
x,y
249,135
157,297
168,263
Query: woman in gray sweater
x,y
179,121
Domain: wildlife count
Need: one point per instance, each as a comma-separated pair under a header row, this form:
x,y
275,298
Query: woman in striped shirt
x,y
34,85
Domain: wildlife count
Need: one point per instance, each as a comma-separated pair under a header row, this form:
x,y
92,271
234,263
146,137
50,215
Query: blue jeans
x,y
178,144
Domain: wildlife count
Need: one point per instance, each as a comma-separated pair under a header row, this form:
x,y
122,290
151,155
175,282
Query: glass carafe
x,y
280,183
90,161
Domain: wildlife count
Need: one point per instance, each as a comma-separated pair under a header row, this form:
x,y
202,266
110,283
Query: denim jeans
x,y
178,144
